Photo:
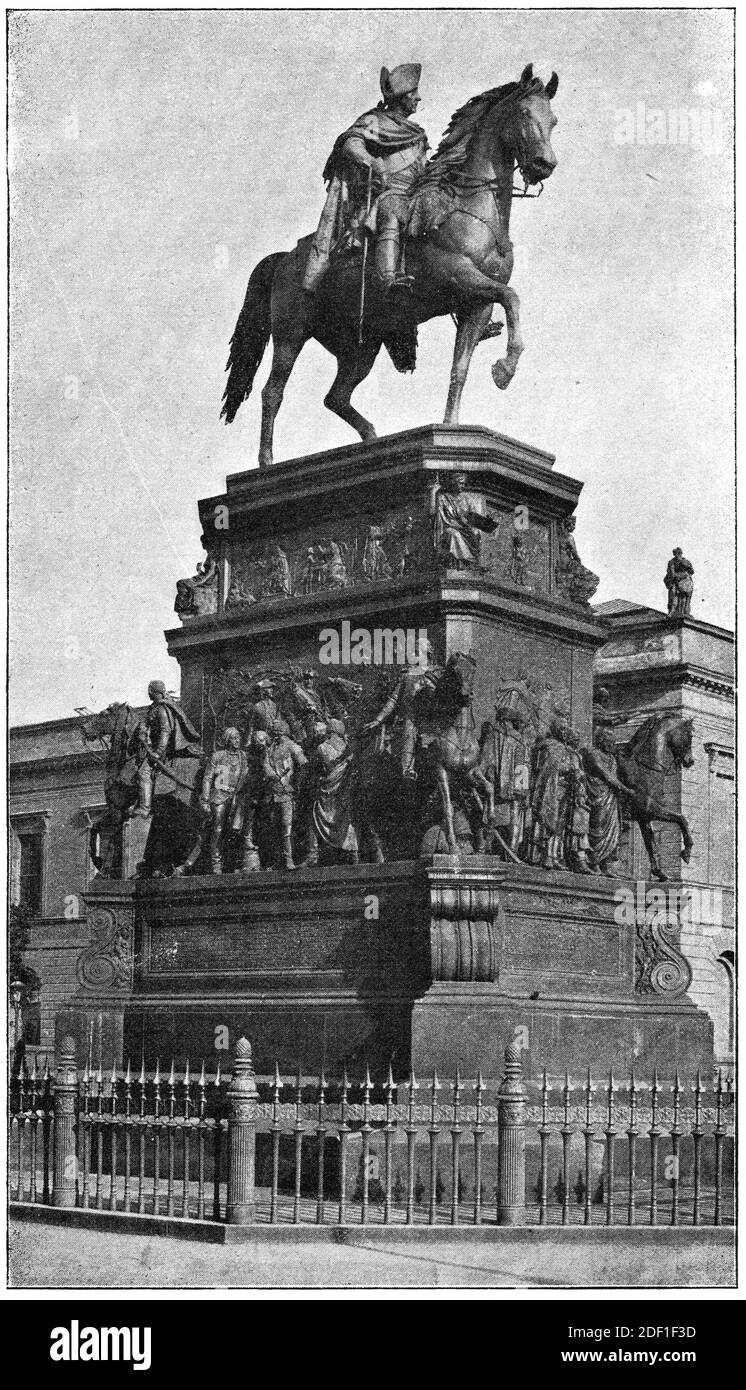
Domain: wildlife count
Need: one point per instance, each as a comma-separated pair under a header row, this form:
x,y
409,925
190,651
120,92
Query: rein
x,y
473,184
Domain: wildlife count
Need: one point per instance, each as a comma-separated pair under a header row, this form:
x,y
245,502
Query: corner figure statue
x,y
573,579
679,581
199,594
459,520
370,173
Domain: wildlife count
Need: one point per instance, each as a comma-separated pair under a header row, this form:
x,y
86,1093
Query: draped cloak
x,y
388,136
605,823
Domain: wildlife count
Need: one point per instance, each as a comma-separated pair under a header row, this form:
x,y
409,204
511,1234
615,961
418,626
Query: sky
x,y
156,157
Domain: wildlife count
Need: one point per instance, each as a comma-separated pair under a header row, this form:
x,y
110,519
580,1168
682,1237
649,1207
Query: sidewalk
x,y
43,1255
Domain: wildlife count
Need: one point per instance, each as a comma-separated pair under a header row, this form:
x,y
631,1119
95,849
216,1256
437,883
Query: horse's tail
x,y
250,336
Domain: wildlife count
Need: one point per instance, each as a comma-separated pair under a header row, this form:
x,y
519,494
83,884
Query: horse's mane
x,y
455,146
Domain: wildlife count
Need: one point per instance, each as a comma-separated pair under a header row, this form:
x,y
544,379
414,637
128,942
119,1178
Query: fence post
x,y
511,1156
243,1097
64,1171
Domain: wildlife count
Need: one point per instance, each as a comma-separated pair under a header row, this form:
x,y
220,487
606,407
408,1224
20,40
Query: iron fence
x,y
240,1149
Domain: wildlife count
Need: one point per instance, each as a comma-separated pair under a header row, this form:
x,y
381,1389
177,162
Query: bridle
x,y
472,184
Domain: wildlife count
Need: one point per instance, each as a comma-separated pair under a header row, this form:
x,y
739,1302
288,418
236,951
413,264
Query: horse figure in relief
x,y
459,258
661,746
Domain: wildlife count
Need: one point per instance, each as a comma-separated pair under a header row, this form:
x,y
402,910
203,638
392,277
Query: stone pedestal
x,y
431,962
462,958
530,629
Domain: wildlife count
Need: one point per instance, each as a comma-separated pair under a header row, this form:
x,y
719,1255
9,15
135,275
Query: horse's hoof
x,y
501,375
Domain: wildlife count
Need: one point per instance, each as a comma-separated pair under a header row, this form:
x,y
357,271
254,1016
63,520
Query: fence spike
x,y
202,1082
218,1076
187,1078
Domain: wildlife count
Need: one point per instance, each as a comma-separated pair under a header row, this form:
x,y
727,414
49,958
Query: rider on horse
x,y
379,157
166,734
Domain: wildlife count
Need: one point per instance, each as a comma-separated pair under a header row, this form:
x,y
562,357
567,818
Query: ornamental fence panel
x,y
236,1148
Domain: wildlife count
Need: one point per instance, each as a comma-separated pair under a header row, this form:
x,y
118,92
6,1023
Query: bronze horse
x,y
662,745
460,258
120,730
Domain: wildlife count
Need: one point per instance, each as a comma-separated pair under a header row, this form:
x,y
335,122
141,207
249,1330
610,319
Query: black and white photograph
x,y
371,672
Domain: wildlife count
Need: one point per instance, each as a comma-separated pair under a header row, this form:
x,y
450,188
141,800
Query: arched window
x,y
726,963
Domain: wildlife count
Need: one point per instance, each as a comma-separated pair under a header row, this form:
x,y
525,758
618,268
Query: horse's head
x,y
459,676
114,722
680,742
101,725
531,126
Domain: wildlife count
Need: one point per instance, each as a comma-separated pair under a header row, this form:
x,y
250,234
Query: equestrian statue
x,y
440,230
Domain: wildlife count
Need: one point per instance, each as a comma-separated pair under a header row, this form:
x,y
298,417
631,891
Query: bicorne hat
x,y
399,81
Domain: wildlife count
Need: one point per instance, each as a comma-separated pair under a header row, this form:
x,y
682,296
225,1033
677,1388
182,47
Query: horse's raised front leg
x,y
648,838
675,818
503,370
469,332
350,372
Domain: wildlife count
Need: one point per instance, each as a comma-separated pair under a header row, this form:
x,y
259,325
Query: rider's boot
x,y
145,803
387,261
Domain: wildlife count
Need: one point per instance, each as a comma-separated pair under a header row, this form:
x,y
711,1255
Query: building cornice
x,y
678,675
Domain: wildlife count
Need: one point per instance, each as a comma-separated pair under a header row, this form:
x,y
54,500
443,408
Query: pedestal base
x,y
432,963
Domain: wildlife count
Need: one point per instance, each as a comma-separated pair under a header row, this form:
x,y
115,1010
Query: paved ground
x,y
58,1257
